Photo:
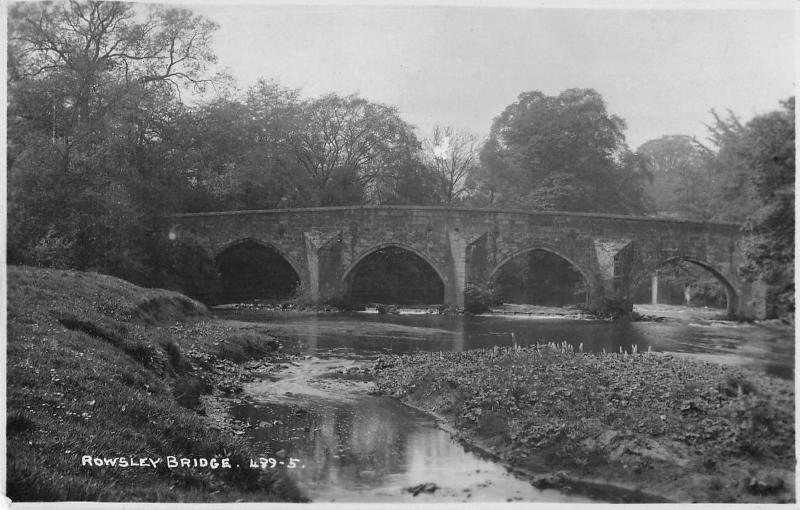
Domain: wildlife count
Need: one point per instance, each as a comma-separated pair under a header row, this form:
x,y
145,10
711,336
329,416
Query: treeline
x,y
102,138
744,173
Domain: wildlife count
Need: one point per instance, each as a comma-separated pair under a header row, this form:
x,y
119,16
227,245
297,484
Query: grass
x,y
687,430
98,366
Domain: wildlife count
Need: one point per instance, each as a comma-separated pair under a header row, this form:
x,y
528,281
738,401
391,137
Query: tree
x,y
681,183
344,144
562,153
93,92
452,156
269,177
768,148
408,182
732,193
88,42
752,168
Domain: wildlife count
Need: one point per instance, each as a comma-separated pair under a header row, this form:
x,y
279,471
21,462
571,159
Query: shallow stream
x,y
353,446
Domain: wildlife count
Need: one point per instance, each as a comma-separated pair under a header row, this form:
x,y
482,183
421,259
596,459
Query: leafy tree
x,y
210,146
269,178
732,193
752,170
408,182
564,153
768,148
681,184
344,144
93,92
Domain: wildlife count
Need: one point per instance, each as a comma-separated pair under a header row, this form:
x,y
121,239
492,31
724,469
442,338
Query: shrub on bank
x,y
479,298
613,308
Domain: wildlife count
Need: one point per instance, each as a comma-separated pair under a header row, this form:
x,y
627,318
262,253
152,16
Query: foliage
x,y
479,297
615,416
745,174
100,142
93,89
185,265
753,174
343,144
610,307
733,196
681,185
561,153
769,150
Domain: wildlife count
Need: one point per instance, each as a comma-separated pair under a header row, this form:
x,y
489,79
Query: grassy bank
x,y
97,366
668,427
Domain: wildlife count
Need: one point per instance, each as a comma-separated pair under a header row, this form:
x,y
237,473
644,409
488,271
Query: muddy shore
x,y
656,427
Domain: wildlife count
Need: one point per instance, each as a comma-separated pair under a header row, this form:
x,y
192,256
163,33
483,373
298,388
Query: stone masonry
x,y
614,253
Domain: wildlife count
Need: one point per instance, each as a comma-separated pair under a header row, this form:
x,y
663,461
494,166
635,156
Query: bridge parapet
x,y
614,253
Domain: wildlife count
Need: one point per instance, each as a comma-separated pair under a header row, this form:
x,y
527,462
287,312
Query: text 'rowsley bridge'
x,y
613,253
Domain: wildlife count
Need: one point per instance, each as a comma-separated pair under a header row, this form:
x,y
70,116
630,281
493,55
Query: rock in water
x,y
429,487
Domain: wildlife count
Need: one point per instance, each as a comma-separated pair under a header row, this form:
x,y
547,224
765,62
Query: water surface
x,y
766,349
353,446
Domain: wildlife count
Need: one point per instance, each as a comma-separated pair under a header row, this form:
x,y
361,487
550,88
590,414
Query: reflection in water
x,y
752,346
357,447
372,449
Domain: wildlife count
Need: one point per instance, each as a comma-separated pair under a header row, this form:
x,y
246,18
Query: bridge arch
x,y
486,236
369,251
350,271
273,254
730,290
264,244
587,276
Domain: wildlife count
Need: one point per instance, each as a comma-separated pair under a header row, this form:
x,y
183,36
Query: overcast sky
x,y
660,70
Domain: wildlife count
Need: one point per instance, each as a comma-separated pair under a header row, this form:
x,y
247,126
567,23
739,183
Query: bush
x,y
479,297
185,265
300,296
246,345
611,308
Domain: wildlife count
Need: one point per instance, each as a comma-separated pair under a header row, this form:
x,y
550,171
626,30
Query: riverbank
x,y
100,369
658,426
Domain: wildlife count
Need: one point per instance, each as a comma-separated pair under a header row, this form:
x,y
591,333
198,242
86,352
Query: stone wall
x,y
614,253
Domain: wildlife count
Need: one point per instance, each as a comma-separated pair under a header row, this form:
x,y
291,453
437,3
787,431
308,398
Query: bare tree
x,y
452,155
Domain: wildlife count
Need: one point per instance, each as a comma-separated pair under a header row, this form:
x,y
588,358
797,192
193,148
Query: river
x,y
354,446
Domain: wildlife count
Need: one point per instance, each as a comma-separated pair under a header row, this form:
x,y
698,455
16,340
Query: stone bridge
x,y
614,253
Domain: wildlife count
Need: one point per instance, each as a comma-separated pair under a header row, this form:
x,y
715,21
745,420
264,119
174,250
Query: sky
x,y
662,70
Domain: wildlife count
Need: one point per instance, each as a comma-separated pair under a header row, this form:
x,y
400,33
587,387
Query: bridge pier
x,y
654,289
312,259
468,245
615,259
457,271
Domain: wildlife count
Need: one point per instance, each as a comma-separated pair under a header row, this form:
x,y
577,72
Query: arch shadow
x,y
366,253
730,290
264,244
587,277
